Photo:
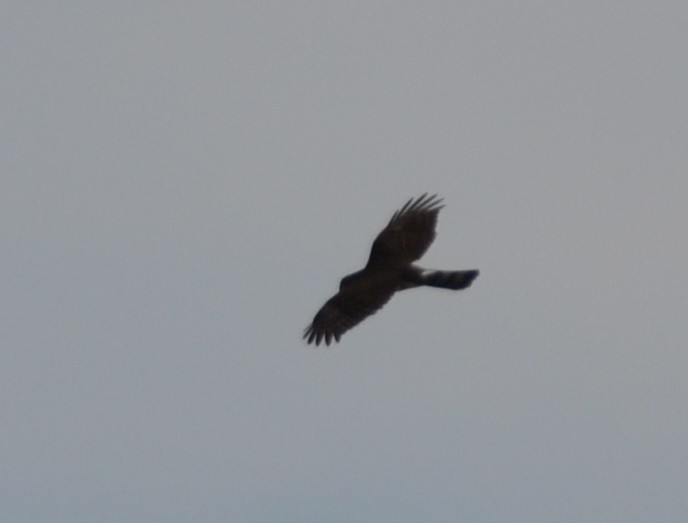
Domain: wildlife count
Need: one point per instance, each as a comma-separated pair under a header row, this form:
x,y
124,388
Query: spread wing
x,y
405,239
408,234
349,307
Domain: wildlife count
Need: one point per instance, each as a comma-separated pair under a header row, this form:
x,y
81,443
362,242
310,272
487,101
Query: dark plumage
x,y
389,269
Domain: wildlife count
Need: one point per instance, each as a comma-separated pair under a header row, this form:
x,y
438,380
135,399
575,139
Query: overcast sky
x,y
184,184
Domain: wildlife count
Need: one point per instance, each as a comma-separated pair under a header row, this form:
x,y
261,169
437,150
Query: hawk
x,y
389,269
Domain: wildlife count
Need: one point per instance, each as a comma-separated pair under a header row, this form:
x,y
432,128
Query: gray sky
x,y
183,185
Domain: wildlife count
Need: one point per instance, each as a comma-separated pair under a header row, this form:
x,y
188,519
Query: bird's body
x,y
389,269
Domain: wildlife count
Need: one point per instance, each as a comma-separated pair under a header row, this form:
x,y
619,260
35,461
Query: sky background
x,y
184,184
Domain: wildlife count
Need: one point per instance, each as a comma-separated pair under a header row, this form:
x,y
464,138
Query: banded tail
x,y
454,280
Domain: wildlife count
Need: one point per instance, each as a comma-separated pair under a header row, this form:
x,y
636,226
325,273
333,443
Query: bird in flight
x,y
389,269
